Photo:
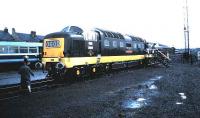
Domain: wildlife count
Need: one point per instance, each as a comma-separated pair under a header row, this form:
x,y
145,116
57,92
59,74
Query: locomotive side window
x,y
106,43
23,49
135,46
121,44
13,49
115,44
140,46
128,45
3,49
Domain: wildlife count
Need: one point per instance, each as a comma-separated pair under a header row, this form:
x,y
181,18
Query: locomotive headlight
x,y
60,65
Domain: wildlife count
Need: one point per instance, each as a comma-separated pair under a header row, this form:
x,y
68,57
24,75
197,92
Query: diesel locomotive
x,y
76,52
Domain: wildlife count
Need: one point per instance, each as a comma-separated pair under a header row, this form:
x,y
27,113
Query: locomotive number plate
x,y
53,43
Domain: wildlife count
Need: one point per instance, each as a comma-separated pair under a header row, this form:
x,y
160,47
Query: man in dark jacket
x,y
25,73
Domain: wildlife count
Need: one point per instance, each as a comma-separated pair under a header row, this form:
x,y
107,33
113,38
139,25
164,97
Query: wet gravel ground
x,y
153,92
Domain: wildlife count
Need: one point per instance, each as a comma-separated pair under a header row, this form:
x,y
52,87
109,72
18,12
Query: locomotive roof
x,y
137,38
111,34
62,34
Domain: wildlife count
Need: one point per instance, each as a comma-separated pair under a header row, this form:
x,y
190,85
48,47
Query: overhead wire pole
x,y
186,31
188,40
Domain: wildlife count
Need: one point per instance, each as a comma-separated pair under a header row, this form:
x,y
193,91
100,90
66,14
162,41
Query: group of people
x,y
25,72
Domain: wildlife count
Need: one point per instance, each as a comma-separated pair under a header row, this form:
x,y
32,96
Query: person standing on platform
x,y
25,73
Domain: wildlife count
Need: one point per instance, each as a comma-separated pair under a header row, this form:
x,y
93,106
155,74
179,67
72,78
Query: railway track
x,y
14,91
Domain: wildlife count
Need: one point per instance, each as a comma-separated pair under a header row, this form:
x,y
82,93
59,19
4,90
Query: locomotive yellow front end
x,y
53,49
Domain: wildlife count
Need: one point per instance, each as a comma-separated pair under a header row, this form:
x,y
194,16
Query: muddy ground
x,y
153,92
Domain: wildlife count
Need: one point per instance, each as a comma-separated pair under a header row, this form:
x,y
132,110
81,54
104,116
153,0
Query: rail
x,y
13,91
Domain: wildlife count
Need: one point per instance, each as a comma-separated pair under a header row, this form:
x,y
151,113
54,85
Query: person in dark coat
x,y
25,73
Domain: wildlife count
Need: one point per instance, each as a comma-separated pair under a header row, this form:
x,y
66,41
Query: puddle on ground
x,y
140,99
141,96
156,78
152,87
183,96
134,104
179,103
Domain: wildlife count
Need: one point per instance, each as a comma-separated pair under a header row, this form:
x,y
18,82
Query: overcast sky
x,y
154,20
